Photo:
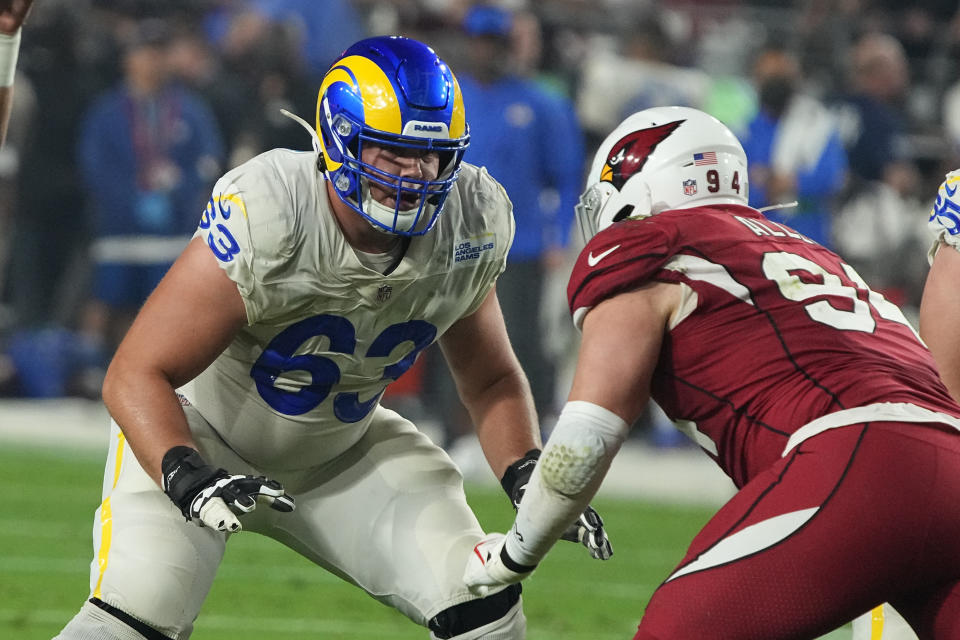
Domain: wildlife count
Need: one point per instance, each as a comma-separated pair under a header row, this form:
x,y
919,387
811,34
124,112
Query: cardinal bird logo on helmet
x,y
631,152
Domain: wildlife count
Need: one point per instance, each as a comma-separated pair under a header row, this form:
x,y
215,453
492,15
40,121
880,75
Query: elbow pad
x,y
583,443
574,462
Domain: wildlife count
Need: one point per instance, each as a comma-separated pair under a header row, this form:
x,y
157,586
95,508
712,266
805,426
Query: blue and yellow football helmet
x,y
393,92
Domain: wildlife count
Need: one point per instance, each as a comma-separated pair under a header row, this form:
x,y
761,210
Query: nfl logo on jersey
x,y
689,187
383,293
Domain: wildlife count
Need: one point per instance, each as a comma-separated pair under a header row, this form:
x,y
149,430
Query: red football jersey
x,y
781,331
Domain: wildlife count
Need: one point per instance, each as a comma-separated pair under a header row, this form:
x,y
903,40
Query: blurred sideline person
x,y
149,150
12,15
807,388
794,149
253,373
529,140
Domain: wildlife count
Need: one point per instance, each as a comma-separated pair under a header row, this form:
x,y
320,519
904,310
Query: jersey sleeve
x,y
486,200
249,225
616,260
945,216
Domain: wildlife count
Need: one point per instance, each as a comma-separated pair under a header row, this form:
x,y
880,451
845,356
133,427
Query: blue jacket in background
x,y
111,165
817,183
530,141
876,133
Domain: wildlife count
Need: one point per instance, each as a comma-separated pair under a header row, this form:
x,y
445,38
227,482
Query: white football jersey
x,y
325,334
945,216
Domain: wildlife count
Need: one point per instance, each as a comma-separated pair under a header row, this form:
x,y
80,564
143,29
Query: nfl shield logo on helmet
x,y
690,187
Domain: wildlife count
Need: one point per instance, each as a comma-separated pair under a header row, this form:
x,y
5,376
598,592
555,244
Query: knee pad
x,y
496,617
98,620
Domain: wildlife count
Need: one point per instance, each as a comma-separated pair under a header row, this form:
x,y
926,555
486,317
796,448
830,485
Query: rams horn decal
x,y
628,156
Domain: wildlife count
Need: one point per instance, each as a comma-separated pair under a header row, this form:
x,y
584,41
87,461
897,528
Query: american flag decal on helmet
x,y
707,157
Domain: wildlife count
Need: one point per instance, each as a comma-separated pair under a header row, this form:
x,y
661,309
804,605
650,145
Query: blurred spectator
x,y
149,151
950,107
194,63
322,28
872,121
794,149
49,235
22,107
325,27
951,117
247,85
615,84
529,140
875,227
877,233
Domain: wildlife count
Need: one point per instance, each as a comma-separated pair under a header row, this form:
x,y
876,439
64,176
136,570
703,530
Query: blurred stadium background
x,y
879,84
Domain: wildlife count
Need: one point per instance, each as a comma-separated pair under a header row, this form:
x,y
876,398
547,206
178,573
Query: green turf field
x,y
265,591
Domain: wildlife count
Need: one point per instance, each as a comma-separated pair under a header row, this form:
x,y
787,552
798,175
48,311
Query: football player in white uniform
x,y
253,373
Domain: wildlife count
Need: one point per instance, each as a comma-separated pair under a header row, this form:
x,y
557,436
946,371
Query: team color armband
x,y
570,470
9,50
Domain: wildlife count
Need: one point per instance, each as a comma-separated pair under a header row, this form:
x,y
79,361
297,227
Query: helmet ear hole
x,y
625,212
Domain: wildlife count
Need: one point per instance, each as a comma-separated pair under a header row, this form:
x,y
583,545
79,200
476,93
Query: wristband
x,y
518,475
9,50
512,564
185,474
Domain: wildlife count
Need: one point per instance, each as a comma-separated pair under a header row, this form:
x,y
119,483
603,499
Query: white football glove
x,y
211,497
216,504
490,569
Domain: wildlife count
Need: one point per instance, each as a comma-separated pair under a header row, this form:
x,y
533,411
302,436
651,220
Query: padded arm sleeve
x,y
574,462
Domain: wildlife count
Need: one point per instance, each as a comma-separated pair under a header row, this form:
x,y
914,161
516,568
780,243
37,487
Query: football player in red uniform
x,y
810,390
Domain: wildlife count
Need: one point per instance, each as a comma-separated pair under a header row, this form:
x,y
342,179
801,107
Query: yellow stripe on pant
x,y
876,623
106,518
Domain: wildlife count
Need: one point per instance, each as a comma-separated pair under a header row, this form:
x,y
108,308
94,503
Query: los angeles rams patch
x,y
472,249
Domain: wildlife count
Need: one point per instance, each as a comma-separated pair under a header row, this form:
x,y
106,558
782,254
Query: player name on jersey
x,y
763,229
